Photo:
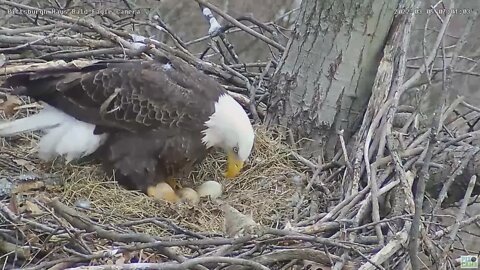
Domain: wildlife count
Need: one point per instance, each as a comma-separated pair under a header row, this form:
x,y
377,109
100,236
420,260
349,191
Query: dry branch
x,y
182,266
240,25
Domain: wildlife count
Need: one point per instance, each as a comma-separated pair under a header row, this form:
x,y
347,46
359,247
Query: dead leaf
x,y
31,208
28,186
316,266
24,163
288,226
120,261
236,223
8,106
33,238
13,204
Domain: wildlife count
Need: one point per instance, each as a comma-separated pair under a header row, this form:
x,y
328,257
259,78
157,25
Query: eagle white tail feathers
x,y
46,118
63,134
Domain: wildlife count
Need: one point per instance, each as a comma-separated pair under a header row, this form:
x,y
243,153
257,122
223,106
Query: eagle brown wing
x,y
132,95
154,110
143,160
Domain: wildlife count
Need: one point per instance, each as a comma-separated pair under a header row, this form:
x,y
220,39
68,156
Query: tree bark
x,y
323,82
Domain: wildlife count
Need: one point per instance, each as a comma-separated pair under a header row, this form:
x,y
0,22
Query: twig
x,y
71,259
169,31
180,243
173,266
88,53
424,172
253,110
254,21
164,223
87,22
22,252
344,151
389,249
241,26
253,90
12,216
459,218
82,222
401,175
301,254
414,79
372,179
23,30
225,29
458,171
470,106
437,235
60,41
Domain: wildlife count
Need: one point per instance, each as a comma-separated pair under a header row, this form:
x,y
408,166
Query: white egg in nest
x,y
210,188
83,203
189,195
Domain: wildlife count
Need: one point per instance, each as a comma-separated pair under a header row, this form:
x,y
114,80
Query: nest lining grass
x,y
261,190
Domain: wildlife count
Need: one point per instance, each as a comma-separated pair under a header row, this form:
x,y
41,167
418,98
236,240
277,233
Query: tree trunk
x,y
324,80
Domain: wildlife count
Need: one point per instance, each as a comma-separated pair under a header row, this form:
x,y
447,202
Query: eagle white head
x,y
229,128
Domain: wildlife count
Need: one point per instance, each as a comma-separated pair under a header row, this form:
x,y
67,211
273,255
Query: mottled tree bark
x,y
324,80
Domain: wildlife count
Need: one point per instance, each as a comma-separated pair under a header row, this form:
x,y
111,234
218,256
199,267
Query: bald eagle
x,y
146,121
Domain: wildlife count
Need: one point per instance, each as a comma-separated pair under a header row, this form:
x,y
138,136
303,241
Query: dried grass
x,y
262,190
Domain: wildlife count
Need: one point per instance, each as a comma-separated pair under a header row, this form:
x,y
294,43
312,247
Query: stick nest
x,y
263,190
361,209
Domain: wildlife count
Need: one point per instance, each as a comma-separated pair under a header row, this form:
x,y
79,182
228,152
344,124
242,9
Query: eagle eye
x,y
235,149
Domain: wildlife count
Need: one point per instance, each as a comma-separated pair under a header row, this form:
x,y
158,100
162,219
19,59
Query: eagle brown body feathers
x,y
164,104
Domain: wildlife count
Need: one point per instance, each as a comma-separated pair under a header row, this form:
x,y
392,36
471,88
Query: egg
x,y
189,195
163,191
83,203
210,188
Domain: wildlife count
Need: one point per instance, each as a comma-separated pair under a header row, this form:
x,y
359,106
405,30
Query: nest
x,y
285,211
263,190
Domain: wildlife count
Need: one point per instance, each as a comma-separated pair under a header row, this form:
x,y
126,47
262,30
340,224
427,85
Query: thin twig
x,y
175,266
459,218
240,25
424,172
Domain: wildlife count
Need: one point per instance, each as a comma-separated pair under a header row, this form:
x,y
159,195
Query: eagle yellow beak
x,y
234,165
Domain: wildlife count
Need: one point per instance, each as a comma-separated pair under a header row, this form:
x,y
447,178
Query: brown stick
x,y
80,221
241,25
424,172
173,266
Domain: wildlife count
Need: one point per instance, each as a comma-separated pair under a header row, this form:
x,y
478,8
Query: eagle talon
x,y
163,191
